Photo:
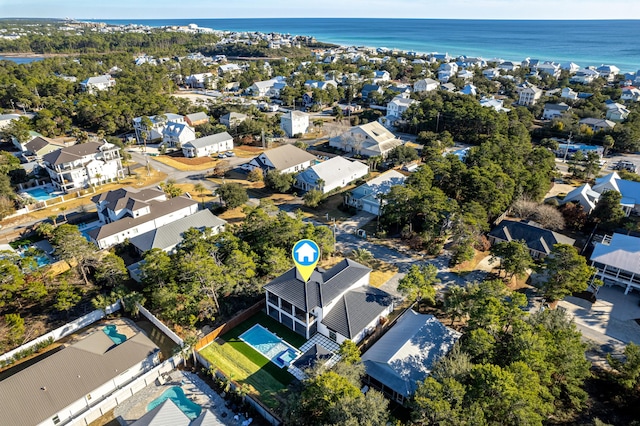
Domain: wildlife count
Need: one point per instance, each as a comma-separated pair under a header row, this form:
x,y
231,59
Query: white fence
x,y
265,413
120,395
65,330
166,330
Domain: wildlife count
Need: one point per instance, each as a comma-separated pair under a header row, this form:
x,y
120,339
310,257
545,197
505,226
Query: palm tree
x,y
63,210
362,256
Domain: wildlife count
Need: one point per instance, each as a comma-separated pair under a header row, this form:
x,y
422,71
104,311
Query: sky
x,y
433,9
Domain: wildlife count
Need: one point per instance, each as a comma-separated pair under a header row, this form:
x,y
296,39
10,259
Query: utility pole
x,y
566,149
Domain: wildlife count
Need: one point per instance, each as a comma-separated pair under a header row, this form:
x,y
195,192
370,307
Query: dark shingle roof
x,y
314,354
322,287
72,153
356,309
536,238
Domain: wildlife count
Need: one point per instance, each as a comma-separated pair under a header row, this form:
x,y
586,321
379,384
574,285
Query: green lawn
x,y
245,365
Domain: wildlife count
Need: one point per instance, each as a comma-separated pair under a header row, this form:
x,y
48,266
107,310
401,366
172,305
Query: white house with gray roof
x,y
155,130
285,159
61,386
618,261
177,134
368,196
334,173
127,213
168,236
294,123
406,354
98,84
337,303
81,165
369,140
205,146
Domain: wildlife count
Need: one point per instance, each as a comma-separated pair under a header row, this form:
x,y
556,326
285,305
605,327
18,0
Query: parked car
x,y
231,154
222,155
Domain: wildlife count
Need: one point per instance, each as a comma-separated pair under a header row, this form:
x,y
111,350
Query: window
x,y
332,335
56,420
88,397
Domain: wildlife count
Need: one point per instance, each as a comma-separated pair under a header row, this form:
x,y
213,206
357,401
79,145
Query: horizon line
x,y
324,17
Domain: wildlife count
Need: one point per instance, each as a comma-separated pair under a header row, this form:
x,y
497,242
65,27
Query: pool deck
x,y
194,388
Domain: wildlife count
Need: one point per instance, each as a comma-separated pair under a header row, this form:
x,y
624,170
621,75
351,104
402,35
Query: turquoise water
x,y
588,42
176,394
39,194
20,60
112,332
268,344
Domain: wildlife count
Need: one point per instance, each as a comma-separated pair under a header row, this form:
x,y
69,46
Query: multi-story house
x,y
175,134
294,123
81,165
155,130
97,84
618,261
529,95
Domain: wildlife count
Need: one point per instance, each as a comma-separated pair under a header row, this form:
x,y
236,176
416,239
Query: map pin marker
x,y
306,254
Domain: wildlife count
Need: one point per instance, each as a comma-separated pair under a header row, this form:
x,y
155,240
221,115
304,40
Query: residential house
x,y
597,124
509,66
6,119
550,68
79,166
630,93
233,119
230,69
97,84
446,71
207,145
369,140
569,93
617,112
539,241
469,89
583,195
268,88
448,87
294,123
322,85
337,303
154,131
284,159
334,173
395,108
196,119
59,387
552,111
608,72
618,261
491,73
381,76
369,89
205,80
496,104
406,354
585,76
127,213
466,75
528,94
368,197
630,191
39,146
571,67
425,85
167,237
175,134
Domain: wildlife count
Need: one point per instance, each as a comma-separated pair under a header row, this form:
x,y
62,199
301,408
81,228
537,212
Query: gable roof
x,y
406,353
118,199
333,170
314,354
165,414
73,152
535,237
53,383
287,156
197,116
356,309
322,287
209,140
379,185
171,234
158,209
630,190
622,252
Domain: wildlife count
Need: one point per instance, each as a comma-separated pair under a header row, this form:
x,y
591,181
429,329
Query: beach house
x,y
368,140
331,174
97,84
368,197
618,261
284,159
207,145
539,240
294,123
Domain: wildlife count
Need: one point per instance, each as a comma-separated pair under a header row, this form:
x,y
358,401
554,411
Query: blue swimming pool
x,y
271,346
112,332
40,194
176,394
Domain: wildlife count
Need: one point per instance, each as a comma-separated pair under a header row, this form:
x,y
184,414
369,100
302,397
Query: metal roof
x,y
287,156
407,352
45,388
623,252
169,235
209,140
165,414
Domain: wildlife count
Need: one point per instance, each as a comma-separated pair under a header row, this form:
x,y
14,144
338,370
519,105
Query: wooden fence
x,y
232,323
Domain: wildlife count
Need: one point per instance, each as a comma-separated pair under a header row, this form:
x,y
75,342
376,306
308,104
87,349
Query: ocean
x,y
583,42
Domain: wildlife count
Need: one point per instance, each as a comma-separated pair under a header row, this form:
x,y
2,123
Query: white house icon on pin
x,y
306,253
